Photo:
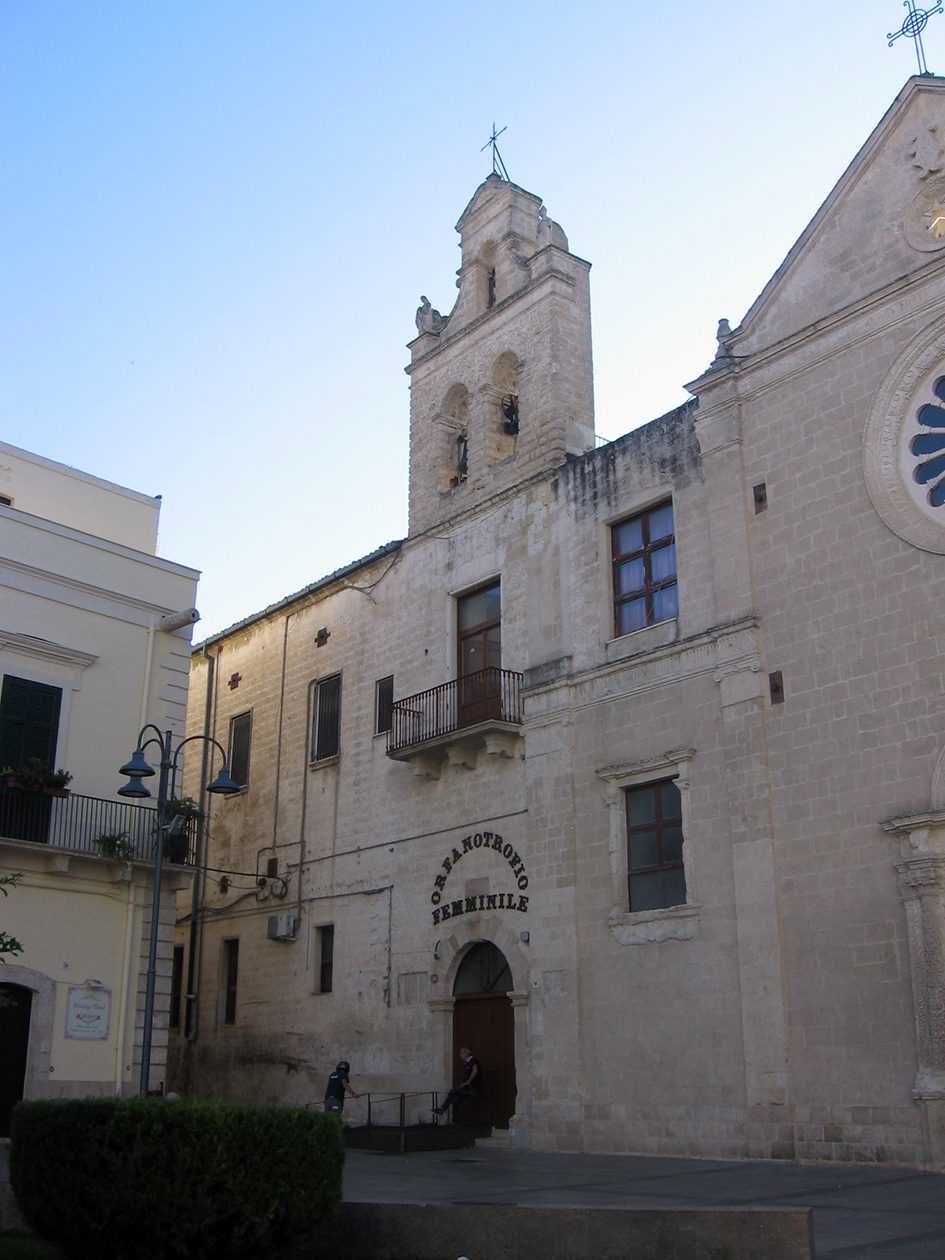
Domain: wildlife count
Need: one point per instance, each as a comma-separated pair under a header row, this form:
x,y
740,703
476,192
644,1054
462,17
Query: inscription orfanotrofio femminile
x,y
480,840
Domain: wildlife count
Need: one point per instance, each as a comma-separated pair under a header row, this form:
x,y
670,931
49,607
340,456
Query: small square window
x,y
326,719
656,876
240,735
383,704
644,566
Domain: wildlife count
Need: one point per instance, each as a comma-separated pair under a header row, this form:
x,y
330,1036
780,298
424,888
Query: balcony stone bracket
x,y
922,888
461,749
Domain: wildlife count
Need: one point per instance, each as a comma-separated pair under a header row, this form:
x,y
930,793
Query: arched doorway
x,y
15,1006
483,1020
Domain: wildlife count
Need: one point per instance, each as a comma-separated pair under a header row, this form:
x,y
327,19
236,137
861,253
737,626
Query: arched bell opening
x,y
483,1019
454,416
505,392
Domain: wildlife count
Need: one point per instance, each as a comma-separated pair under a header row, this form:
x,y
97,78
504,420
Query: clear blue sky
x,y
217,220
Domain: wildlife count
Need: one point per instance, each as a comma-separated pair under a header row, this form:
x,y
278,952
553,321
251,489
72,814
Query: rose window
x,y
930,447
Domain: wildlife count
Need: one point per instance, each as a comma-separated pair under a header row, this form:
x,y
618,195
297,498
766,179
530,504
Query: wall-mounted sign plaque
x,y
88,1013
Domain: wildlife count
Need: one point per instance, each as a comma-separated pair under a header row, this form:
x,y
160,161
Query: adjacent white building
x,y
95,635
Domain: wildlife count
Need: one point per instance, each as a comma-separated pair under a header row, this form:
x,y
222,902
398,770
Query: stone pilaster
x,y
922,887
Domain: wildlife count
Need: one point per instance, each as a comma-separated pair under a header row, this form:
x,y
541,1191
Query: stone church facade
x,y
626,764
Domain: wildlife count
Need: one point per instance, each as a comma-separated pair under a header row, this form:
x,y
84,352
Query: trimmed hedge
x,y
145,1179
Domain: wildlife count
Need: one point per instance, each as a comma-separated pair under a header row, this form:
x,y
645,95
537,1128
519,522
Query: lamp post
x,y
137,769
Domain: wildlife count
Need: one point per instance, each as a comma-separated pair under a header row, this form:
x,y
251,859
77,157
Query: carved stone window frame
x,y
886,467
647,927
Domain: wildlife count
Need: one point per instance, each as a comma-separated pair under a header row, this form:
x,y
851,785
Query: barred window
x,y
177,985
231,961
326,957
644,560
240,735
326,719
383,703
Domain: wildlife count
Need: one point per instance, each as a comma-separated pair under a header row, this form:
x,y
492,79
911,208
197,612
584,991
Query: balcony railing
x,y
80,822
490,695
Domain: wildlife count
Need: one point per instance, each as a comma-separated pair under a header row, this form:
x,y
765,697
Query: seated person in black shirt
x,y
468,1088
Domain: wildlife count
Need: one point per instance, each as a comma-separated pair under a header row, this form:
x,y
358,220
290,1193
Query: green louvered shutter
x,y
29,722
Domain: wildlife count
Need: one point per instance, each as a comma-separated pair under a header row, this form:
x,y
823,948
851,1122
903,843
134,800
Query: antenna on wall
x,y
498,166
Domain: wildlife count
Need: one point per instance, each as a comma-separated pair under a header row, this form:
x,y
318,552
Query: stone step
x,y
499,1141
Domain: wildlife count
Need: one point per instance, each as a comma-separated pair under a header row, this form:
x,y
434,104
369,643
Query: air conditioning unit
x,y
282,927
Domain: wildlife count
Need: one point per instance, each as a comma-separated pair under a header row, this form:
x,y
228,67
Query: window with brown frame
x,y
383,704
644,560
480,630
479,618
655,846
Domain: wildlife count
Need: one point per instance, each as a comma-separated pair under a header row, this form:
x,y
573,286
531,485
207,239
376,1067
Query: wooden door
x,y
14,1044
480,656
485,1022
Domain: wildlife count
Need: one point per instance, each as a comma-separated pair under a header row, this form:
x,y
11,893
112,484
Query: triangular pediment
x,y
880,223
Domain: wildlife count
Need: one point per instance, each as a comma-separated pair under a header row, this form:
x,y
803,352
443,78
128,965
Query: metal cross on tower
x,y
497,162
913,27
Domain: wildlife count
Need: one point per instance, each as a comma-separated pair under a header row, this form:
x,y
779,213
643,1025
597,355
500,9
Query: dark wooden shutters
x,y
29,722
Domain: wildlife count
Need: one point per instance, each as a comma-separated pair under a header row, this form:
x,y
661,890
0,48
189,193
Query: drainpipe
x,y
190,1000
123,1002
169,622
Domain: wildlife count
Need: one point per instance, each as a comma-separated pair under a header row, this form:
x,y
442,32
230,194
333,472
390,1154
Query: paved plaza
x,y
860,1213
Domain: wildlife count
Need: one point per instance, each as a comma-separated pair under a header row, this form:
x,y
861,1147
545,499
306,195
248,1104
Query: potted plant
x,y
188,809
36,777
118,846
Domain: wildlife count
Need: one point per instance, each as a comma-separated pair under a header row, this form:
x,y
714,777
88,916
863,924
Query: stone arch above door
x,y
494,930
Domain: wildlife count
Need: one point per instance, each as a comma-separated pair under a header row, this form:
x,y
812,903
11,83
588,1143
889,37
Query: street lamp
x,y
136,770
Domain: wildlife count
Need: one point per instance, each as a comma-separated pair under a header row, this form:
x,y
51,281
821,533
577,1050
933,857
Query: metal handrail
x,y
488,695
401,1099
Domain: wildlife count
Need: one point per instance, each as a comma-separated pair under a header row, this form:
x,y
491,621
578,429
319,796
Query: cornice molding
x,y
44,650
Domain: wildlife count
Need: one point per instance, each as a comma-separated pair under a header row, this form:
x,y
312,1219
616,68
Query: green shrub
x,y
16,1245
143,1179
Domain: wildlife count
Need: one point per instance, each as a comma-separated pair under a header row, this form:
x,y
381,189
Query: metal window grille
x,y
231,962
240,738
326,725
326,939
383,703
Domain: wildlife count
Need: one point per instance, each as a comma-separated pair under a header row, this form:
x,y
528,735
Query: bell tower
x,y
501,388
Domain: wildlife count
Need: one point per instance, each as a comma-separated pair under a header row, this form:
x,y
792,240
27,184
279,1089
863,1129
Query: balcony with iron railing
x,y
456,719
89,824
